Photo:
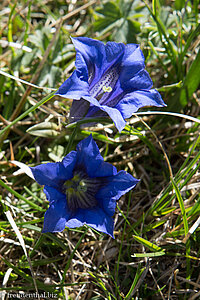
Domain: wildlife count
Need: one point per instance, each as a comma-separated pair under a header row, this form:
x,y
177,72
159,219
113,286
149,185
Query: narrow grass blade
x,y
72,255
162,33
25,276
147,244
31,109
33,205
181,204
21,240
191,82
189,40
139,277
149,254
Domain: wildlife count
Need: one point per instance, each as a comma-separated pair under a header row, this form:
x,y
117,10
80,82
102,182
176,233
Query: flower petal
x,y
69,162
116,116
57,214
133,60
139,81
74,87
114,113
89,158
53,194
98,57
117,186
133,101
95,218
51,174
90,49
54,174
132,75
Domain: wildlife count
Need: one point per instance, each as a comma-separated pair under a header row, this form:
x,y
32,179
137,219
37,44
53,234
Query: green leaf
x,y
154,225
41,38
164,38
140,271
163,211
110,14
97,136
156,7
41,262
190,39
180,200
104,23
128,31
30,203
191,82
147,244
49,76
45,129
56,153
179,4
110,9
11,276
149,254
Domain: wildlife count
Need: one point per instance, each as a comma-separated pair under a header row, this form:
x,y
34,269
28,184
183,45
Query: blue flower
x,y
82,189
108,80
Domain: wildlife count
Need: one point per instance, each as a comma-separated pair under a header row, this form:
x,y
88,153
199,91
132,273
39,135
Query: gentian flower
x,y
108,80
82,189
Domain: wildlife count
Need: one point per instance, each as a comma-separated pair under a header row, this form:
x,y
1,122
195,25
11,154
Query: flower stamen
x,y
107,89
106,83
81,190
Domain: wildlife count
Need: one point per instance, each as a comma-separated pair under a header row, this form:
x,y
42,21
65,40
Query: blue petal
x,y
95,111
139,81
114,113
117,186
133,101
51,174
107,204
54,174
52,194
98,57
74,87
116,116
89,158
92,51
102,169
69,162
57,214
95,218
132,75
133,60
81,67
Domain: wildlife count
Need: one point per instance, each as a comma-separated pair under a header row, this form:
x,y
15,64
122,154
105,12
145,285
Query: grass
x,y
155,253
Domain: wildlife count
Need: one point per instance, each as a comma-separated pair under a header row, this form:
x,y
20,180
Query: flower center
x,y
105,85
81,190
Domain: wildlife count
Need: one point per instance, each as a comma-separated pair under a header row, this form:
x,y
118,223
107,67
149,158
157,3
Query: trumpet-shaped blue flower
x,y
82,189
108,80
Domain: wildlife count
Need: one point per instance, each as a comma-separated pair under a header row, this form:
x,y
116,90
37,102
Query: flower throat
x,y
80,191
